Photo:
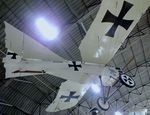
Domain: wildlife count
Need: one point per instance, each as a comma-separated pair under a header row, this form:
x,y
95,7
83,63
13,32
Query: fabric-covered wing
x,y
27,47
68,96
113,23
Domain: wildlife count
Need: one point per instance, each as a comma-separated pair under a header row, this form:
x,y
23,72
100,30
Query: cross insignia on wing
x,y
118,21
71,96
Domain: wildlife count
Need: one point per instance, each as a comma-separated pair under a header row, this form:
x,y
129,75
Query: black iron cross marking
x,y
71,96
13,55
109,17
75,66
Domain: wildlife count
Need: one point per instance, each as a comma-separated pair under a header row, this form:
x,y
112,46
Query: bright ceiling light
x,y
118,113
95,88
48,30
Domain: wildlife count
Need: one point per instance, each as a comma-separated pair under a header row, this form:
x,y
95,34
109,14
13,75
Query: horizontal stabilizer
x,y
27,47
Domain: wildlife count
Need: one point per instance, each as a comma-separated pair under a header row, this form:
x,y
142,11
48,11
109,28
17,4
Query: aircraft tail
x,y
15,66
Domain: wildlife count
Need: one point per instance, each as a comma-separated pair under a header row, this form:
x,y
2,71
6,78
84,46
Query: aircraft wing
x,y
26,47
68,96
112,25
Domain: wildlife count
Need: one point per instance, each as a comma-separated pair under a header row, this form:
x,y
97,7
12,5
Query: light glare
x,y
95,88
104,39
117,113
145,110
99,52
49,31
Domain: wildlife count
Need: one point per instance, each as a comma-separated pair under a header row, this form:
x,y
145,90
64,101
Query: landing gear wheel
x,y
104,106
127,81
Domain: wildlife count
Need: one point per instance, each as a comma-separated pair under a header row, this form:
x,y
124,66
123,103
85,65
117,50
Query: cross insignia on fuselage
x,y
75,66
109,17
71,96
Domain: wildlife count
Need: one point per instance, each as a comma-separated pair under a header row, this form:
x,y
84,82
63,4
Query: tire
x,y
127,81
104,106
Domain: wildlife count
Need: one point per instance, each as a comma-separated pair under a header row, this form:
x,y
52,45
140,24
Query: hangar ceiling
x,y
32,94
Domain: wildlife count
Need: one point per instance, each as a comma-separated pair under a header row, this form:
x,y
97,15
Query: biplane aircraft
x,y
111,26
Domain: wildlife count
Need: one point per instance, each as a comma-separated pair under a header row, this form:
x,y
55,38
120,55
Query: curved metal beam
x,y
135,99
138,103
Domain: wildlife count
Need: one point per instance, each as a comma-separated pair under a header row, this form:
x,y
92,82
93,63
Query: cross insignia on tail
x,y
13,55
71,96
109,17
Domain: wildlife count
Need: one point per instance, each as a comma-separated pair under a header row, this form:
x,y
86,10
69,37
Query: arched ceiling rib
x,y
74,22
